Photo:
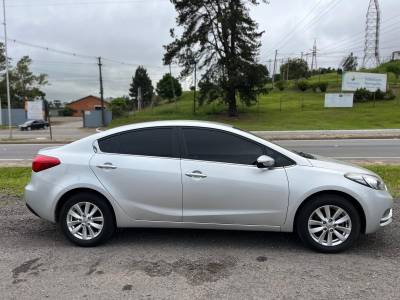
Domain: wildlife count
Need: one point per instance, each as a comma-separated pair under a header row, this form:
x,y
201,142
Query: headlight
x,y
368,180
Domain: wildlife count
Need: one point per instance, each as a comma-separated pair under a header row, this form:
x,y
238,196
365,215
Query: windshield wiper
x,y
303,154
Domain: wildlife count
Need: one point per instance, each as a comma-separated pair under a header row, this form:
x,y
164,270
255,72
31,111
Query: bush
x,y
323,86
119,107
363,95
67,111
280,85
303,85
389,95
314,87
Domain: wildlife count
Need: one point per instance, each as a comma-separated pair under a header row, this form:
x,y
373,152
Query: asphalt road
x,y
386,150
36,262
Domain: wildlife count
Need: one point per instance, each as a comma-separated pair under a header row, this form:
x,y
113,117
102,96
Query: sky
x,y
127,33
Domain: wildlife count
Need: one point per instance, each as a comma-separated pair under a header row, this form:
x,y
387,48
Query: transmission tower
x,y
372,28
314,56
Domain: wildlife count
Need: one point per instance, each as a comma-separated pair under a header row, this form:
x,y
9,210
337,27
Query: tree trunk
x,y
232,108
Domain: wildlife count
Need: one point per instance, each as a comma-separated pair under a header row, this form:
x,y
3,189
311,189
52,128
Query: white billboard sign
x,y
371,81
35,110
339,100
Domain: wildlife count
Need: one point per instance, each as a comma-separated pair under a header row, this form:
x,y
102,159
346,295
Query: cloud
x,y
134,31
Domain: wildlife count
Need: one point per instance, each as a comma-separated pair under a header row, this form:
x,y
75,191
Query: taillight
x,y
43,162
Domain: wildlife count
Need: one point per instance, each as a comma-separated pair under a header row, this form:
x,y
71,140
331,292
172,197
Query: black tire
x,y
107,213
319,201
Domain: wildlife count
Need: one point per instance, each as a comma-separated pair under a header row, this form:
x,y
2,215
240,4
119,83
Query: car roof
x,y
193,123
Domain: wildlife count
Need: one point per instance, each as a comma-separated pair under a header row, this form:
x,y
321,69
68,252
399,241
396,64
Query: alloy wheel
x,y
329,225
85,221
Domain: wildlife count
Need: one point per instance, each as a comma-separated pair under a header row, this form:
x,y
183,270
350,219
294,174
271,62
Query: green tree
x,y
167,86
224,43
296,67
349,63
142,80
24,85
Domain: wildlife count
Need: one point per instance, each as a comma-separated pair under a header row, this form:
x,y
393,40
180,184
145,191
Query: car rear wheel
x,y
328,223
87,220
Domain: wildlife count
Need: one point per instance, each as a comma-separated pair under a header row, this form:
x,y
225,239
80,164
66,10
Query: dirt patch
x,y
30,266
196,272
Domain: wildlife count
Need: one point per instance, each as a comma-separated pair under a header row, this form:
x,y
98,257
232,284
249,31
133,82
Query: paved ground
x,y
63,129
36,262
376,150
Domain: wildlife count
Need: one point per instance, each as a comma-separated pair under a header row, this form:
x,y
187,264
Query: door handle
x,y
107,166
196,174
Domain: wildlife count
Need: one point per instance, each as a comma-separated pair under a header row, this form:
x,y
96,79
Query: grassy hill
x,y
283,110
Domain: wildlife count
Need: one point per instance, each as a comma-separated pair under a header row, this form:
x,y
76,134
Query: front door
x,y
141,170
222,185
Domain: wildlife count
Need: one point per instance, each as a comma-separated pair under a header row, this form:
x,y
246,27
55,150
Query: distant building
x,y
87,103
396,55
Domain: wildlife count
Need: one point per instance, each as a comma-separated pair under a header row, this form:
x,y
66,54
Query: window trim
x,y
184,150
176,153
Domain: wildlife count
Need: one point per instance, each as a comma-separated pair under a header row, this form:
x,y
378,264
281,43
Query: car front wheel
x,y
87,220
328,223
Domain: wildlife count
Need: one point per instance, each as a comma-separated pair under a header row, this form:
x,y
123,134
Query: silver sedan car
x,y
190,174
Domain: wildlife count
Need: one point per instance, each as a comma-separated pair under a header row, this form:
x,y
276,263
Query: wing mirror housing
x,y
265,161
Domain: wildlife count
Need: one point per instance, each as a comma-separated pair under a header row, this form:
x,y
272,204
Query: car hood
x,y
337,165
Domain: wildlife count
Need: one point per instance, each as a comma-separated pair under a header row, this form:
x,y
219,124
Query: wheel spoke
x,y
344,229
327,210
314,222
316,229
78,208
76,229
337,214
75,215
87,206
95,225
97,219
320,214
84,233
342,220
72,223
321,237
94,209
329,238
91,232
340,236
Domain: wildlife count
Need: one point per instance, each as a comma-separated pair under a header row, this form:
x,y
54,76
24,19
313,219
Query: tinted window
x,y
149,142
214,145
280,159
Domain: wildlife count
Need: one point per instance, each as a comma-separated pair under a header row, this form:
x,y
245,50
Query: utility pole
x,y
7,71
140,98
287,69
101,92
195,86
273,73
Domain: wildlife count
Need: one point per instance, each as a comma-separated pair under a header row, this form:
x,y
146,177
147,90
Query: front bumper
x,y
387,218
378,210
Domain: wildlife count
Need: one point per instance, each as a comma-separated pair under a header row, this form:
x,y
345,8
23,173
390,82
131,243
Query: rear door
x,y
141,170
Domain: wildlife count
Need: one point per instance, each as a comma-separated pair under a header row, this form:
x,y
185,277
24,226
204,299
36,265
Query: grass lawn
x,y
13,179
286,110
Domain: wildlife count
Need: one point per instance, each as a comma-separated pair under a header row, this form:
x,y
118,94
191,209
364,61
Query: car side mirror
x,y
265,161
